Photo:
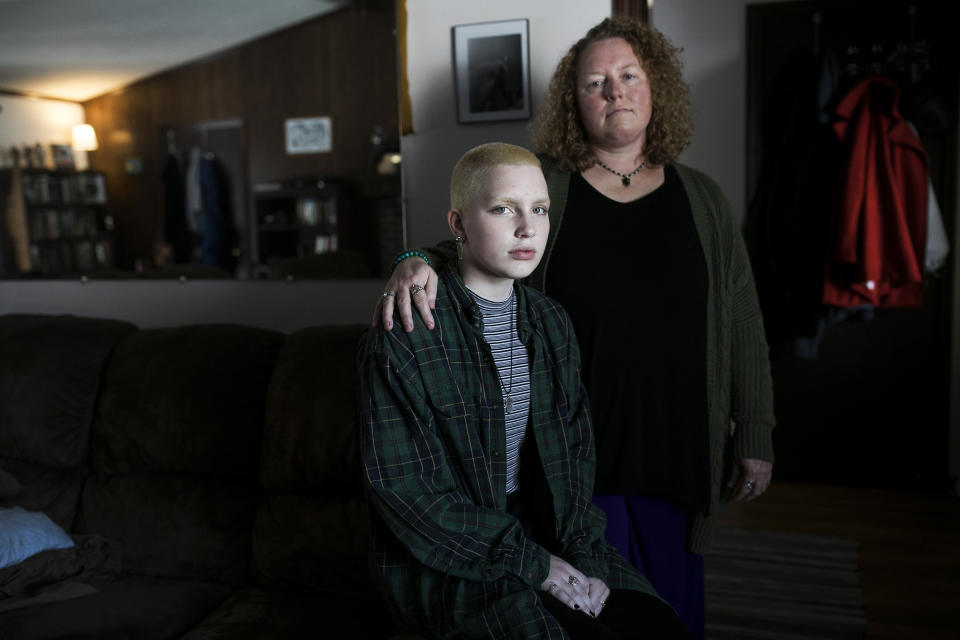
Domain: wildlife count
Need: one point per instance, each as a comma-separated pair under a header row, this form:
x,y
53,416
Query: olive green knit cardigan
x,y
739,388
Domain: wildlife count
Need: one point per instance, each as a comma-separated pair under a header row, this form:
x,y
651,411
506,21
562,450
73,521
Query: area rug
x,y
783,586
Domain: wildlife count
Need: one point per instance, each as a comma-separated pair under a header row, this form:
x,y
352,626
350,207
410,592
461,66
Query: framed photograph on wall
x,y
492,64
308,135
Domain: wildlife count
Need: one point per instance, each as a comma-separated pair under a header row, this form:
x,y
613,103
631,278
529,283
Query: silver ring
x,y
553,587
573,581
388,294
415,289
603,603
749,485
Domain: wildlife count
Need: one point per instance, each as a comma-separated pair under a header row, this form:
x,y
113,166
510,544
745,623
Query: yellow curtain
x,y
406,111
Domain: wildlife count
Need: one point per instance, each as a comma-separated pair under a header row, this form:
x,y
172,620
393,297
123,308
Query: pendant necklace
x,y
624,177
507,399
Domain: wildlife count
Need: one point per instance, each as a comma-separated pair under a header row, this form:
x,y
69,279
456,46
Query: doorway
x,y
210,160
862,395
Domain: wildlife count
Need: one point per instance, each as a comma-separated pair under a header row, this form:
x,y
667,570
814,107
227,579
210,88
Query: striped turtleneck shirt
x,y
510,358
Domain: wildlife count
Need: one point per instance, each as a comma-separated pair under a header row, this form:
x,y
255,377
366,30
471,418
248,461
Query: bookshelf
x,y
56,223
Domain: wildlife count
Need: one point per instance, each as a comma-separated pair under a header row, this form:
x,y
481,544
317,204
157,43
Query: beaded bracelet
x,y
410,254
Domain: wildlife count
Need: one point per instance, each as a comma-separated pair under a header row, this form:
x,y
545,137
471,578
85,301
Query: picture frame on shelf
x,y
62,155
492,69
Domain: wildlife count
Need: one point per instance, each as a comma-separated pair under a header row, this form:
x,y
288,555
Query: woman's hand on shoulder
x,y
567,585
412,280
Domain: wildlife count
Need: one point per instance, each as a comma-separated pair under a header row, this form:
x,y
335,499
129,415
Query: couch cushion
x,y
311,529
50,371
318,543
311,435
185,400
9,485
131,607
175,449
174,526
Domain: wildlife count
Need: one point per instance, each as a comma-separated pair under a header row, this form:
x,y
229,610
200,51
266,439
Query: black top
x,y
633,277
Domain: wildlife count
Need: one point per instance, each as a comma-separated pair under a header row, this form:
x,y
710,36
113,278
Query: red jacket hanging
x,y
879,229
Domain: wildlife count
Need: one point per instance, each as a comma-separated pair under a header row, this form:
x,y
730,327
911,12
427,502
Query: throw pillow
x,y
25,533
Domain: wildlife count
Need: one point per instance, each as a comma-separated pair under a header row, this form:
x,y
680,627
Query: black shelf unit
x,y
57,224
296,218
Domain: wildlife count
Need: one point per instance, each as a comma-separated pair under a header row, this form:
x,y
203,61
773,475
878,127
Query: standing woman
x,y
645,255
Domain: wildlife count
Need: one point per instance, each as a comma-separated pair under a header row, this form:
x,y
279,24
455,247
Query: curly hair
x,y
557,130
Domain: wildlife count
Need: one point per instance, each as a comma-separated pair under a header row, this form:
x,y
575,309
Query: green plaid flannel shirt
x,y
447,555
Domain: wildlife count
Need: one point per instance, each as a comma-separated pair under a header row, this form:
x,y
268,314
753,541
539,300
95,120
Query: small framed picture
x,y
308,135
62,155
492,64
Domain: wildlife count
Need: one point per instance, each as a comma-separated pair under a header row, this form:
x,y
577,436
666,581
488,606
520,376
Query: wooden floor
x,y
909,549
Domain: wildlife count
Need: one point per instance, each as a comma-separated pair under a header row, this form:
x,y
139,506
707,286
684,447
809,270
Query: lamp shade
x,y
84,137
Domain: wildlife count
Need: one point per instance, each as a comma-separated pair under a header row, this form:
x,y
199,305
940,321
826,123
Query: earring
x,y
459,241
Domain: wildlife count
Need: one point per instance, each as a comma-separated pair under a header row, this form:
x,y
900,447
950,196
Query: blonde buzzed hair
x,y
473,166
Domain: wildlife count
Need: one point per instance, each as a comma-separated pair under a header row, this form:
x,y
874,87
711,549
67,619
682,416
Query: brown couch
x,y
214,469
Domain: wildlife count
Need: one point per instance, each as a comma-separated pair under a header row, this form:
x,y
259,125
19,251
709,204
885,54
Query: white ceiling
x,y
79,49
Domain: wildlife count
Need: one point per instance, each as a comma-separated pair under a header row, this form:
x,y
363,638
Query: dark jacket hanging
x,y
219,234
175,231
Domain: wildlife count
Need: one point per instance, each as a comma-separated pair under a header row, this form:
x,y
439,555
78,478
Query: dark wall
x,y
341,65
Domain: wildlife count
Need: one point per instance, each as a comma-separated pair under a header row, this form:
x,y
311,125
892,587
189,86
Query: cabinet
x,y
56,222
296,219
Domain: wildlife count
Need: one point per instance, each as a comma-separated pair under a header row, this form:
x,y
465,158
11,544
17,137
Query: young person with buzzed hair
x,y
478,446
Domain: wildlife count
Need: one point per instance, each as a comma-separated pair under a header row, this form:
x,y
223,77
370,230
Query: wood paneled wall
x,y
634,8
341,65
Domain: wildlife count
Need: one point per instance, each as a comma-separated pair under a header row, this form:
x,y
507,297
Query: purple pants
x,y
652,535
